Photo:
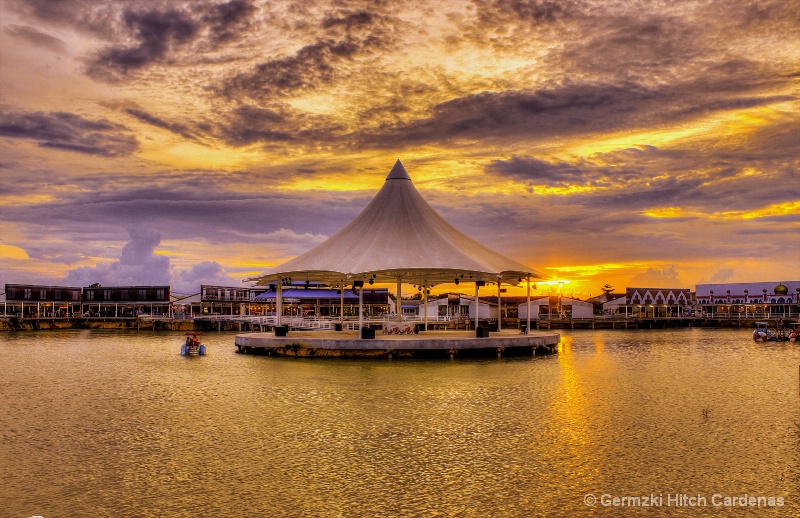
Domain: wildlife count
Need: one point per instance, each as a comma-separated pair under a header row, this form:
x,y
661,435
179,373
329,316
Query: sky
x,y
634,144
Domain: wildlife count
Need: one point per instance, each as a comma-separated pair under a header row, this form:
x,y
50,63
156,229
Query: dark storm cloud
x,y
166,36
748,174
280,124
155,33
147,118
310,67
250,124
230,21
339,39
197,205
639,47
539,172
568,110
35,37
534,12
70,132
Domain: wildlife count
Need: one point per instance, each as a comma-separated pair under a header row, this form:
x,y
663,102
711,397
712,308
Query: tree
x,y
608,291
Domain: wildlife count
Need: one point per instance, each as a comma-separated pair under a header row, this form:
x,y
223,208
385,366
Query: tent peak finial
x,y
398,172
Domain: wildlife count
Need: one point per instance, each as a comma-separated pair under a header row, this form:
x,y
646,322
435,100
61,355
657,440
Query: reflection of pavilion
x,y
398,238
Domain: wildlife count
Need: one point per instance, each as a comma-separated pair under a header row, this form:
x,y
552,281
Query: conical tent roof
x,y
398,236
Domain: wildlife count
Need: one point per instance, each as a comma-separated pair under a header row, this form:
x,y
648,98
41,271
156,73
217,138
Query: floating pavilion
x,y
398,238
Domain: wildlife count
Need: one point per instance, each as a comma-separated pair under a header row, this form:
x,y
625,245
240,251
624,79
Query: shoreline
x,y
236,324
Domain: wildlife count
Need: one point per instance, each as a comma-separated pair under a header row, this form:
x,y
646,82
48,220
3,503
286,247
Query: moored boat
x,y
764,333
779,333
794,332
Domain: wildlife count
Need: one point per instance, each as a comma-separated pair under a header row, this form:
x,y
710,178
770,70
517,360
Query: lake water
x,y
117,423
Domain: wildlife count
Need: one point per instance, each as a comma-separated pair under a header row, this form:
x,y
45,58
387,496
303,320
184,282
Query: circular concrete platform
x,y
427,343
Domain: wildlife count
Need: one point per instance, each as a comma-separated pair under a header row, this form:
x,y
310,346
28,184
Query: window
x,y
57,295
142,294
89,294
123,295
160,295
107,294
42,294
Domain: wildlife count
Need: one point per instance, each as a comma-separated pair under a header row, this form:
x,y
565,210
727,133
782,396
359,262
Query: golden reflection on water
x,y
104,424
571,412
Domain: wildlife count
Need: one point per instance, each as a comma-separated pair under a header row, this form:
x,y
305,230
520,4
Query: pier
x,y
434,344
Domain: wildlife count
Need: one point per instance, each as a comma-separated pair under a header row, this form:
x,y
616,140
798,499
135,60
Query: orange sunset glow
x,y
202,142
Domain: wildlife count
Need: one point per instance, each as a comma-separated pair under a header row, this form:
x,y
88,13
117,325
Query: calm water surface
x,y
119,424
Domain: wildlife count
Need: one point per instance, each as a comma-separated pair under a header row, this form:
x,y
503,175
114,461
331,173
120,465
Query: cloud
x,y
229,22
147,118
32,36
548,113
69,132
534,171
722,275
137,265
188,281
140,265
342,37
657,278
154,31
155,36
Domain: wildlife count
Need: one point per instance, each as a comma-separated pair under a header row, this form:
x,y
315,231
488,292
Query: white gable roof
x,y
399,236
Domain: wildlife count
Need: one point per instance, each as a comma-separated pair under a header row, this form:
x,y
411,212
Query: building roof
x,y
288,293
398,236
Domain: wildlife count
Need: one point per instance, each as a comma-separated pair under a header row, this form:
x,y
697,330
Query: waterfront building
x,y
126,301
457,307
187,306
655,303
550,307
35,301
326,302
771,299
225,300
599,301
615,306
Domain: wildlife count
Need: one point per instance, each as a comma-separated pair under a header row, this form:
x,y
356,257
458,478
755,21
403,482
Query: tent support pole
x,y
399,301
499,308
528,328
341,308
477,308
360,310
279,302
425,298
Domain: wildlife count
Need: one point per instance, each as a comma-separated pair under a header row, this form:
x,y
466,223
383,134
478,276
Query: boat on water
x,y
780,333
794,332
192,345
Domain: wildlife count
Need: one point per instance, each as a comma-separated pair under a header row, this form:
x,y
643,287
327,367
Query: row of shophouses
x,y
731,300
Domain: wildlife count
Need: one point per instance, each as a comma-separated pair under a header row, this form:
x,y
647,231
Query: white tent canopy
x,y
398,237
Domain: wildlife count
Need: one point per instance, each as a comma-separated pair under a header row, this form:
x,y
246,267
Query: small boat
x,y
764,333
794,332
192,345
781,333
